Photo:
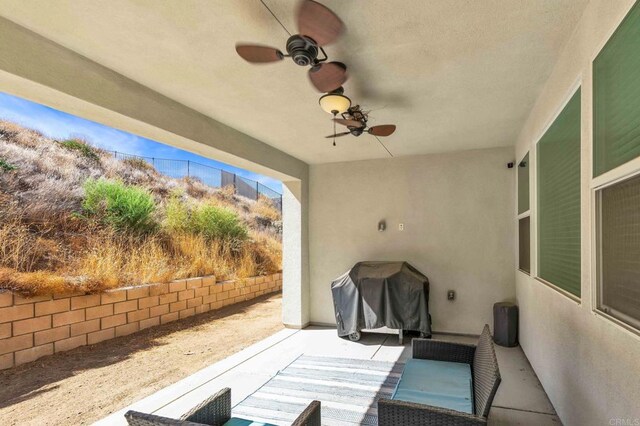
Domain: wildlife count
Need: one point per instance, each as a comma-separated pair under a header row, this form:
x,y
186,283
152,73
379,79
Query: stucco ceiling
x,y
452,74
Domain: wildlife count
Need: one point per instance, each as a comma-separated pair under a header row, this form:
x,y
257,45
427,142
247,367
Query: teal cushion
x,y
437,383
236,421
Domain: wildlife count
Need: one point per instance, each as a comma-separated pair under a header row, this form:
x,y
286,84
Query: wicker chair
x,y
215,411
486,379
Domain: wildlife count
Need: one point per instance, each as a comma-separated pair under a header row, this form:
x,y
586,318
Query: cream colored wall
x,y
589,366
457,210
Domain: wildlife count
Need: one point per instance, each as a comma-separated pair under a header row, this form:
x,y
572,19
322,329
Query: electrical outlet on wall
x,y
401,227
451,295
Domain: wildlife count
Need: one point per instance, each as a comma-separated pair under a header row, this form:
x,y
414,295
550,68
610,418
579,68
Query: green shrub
x,y
211,221
217,223
176,214
124,207
6,167
81,147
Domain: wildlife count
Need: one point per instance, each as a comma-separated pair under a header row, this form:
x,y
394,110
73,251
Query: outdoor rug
x,y
348,389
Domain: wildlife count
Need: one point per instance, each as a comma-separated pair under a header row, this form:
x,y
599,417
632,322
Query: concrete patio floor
x,y
520,400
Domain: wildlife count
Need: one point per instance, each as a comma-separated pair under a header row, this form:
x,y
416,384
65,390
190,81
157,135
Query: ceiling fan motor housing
x,y
302,50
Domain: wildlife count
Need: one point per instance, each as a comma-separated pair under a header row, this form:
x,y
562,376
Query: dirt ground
x,y
85,384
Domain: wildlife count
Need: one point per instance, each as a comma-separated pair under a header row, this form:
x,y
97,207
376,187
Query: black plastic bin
x,y
505,324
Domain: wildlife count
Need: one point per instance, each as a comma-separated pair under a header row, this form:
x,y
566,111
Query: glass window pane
x,y
558,171
524,243
619,207
616,97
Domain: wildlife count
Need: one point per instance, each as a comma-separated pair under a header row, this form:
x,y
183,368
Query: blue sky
x,y
60,125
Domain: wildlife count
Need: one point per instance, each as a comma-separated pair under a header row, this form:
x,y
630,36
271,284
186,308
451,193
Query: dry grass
x,y
265,255
104,259
227,194
36,283
18,247
113,260
139,164
264,208
48,245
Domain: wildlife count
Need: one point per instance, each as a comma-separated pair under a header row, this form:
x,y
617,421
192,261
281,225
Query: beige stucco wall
x,y
589,366
295,262
457,210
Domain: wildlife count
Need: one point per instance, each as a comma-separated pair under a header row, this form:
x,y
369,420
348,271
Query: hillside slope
x,y
73,217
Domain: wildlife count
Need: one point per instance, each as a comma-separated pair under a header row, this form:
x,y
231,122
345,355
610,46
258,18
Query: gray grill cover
x,y
378,294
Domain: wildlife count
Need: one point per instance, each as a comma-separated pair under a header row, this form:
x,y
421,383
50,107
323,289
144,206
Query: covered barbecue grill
x,y
381,294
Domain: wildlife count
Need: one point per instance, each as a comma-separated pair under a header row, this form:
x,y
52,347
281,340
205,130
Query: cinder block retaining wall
x,y
31,328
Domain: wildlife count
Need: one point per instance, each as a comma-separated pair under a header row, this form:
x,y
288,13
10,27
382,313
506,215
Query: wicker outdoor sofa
x,y
485,377
216,411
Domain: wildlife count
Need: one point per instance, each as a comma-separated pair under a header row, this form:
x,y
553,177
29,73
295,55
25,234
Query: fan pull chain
x,y
334,128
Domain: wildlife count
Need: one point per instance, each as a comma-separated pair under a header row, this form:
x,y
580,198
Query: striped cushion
x,y
436,383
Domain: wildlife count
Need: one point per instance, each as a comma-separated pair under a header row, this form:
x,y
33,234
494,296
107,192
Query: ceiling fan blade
x,y
258,54
319,23
328,76
337,135
382,130
349,123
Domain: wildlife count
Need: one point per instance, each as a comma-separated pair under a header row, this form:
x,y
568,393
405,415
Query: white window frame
x,y
523,215
616,175
619,174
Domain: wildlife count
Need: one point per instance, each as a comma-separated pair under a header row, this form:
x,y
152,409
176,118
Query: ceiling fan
x,y
318,26
356,121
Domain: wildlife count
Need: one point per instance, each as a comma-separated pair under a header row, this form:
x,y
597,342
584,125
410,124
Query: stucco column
x,y
295,263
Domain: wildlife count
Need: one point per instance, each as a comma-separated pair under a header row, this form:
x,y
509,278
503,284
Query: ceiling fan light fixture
x,y
335,102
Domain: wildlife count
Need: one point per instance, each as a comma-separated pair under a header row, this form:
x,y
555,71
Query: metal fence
x,y
208,175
